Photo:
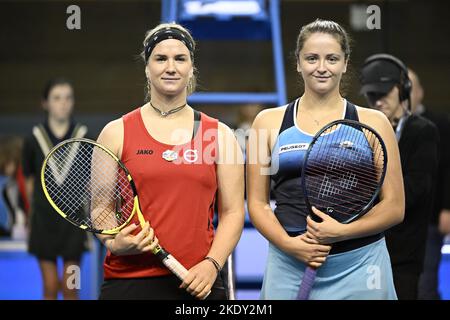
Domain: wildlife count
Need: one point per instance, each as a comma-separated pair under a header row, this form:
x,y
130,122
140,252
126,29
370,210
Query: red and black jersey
x,y
177,188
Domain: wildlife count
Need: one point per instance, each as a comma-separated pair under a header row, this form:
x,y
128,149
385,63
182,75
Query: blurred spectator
x,y
12,216
439,224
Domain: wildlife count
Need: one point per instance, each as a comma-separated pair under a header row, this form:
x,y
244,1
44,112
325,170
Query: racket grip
x,y
174,265
307,284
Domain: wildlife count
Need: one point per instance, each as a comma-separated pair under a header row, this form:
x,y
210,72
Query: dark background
x,y
102,58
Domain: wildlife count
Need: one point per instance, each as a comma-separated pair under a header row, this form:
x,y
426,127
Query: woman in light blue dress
x,y
352,259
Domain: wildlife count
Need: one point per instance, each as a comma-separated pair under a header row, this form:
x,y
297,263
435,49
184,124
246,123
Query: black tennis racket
x,y
91,188
343,171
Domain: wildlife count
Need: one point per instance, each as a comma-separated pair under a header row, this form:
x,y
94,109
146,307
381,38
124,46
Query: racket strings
x,y
120,212
345,210
344,169
328,188
110,192
66,200
346,177
89,186
347,199
366,177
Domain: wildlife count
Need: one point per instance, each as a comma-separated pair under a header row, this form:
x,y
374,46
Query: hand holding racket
x,y
343,171
327,231
91,188
127,243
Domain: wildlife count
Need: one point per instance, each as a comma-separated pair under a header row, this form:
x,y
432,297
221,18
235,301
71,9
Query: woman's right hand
x,y
126,243
308,250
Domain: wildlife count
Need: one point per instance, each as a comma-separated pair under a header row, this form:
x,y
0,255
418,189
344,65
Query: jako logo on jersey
x,y
190,155
293,147
144,152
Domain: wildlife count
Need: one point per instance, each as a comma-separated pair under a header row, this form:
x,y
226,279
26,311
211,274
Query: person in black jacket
x,y
439,224
386,86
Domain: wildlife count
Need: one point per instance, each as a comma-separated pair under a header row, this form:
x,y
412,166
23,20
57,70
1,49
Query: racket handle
x,y
307,284
173,265
170,262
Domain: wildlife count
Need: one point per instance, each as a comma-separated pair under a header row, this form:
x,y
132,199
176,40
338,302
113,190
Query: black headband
x,y
168,33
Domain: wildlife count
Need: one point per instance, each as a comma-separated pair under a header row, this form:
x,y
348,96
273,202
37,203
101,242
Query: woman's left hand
x,y
327,231
200,279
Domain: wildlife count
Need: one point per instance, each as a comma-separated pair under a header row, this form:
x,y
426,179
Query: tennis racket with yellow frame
x,y
91,188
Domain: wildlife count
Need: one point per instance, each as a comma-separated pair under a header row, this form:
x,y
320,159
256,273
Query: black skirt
x,y
52,236
155,288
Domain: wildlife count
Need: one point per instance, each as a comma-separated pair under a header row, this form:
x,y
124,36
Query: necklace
x,y
166,113
317,122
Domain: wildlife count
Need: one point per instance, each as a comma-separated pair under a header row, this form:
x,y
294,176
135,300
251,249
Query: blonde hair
x,y
192,84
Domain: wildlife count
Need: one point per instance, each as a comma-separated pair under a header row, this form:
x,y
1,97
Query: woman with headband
x,y
183,162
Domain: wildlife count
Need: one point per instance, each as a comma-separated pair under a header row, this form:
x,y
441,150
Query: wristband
x,y
215,263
